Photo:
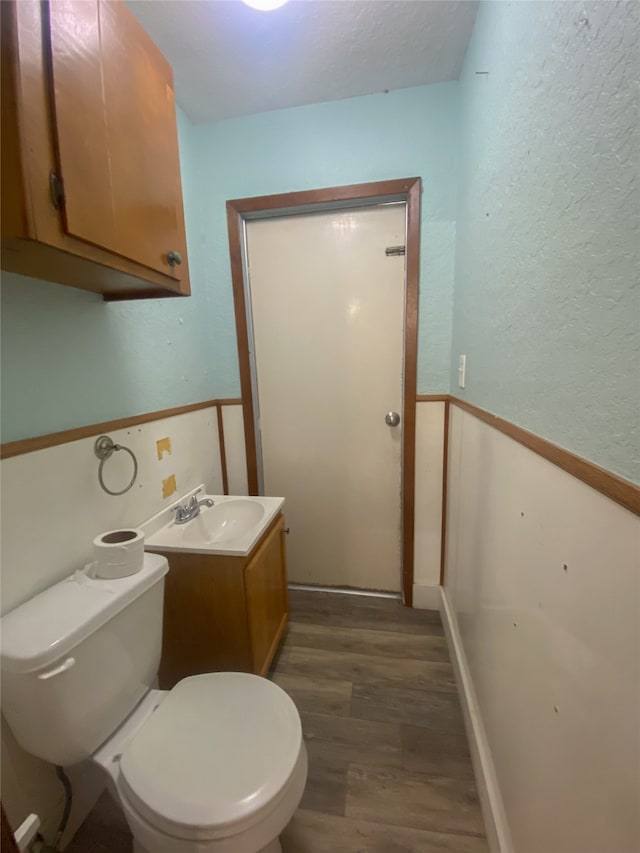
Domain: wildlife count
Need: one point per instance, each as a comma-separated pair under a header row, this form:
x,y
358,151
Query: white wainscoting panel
x,y
53,506
428,504
542,584
234,449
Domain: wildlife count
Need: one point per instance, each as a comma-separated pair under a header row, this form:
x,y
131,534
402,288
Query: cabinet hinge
x,y
56,186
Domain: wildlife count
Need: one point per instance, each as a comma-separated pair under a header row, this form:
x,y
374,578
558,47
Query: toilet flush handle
x,y
58,669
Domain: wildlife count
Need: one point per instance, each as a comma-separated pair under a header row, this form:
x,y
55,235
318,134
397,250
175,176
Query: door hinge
x,y
394,250
56,185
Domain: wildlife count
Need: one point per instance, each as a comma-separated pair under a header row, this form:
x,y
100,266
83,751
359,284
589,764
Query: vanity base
x,y
224,613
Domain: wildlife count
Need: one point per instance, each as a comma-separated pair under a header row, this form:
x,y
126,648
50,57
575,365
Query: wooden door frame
x,y
334,198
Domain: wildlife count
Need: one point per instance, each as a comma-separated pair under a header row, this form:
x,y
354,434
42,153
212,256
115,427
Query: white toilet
x,y
215,765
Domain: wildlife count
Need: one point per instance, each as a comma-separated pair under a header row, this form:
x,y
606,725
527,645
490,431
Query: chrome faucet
x,y
188,511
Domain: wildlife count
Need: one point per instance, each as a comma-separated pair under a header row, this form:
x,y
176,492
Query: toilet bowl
x,y
215,765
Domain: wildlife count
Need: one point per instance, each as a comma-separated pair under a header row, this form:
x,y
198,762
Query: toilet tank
x,y
77,658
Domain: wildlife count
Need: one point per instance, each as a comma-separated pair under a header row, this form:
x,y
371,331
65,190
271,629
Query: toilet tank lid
x,y
54,622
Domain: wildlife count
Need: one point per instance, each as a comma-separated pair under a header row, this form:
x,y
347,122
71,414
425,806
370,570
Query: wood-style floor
x,y
389,766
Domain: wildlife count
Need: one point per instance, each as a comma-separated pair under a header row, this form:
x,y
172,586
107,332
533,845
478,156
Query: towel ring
x,y
104,448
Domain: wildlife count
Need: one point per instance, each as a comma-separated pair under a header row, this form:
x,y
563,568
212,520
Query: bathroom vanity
x,y
224,611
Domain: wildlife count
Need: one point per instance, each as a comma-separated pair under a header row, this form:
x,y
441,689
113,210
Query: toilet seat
x,y
216,754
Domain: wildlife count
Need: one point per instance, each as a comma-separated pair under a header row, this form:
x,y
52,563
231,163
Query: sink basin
x,y
223,522
232,526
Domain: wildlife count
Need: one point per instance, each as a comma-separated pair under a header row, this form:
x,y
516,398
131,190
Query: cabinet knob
x,y
174,259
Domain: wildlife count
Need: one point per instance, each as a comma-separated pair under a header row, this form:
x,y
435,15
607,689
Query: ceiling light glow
x,y
265,5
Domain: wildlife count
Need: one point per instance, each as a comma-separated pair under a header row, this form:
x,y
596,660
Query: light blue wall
x,y
378,137
70,359
547,304
546,296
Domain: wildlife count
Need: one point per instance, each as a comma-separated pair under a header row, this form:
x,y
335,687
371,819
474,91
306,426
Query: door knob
x,y
392,419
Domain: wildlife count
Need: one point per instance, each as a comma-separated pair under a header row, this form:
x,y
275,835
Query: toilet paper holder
x,y
105,447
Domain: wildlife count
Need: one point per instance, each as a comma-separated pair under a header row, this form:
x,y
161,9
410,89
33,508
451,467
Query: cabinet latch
x,y
56,186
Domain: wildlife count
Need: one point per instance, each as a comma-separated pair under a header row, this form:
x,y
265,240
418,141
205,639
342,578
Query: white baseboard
x,y
426,597
495,819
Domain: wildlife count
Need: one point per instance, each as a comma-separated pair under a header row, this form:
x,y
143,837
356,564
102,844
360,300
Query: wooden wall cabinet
x,y
91,190
224,613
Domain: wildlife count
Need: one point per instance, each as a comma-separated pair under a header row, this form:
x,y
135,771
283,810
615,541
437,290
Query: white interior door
x,y
328,314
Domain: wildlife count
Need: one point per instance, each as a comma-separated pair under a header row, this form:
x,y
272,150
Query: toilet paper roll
x,y
118,553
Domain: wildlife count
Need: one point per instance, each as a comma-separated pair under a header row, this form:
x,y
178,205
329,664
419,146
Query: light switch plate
x,y
462,369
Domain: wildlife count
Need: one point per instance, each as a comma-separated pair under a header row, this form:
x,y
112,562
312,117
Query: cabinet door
x,y
205,624
266,595
115,126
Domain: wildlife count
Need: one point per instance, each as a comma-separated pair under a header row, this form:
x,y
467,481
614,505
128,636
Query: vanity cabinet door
x,y
205,625
266,596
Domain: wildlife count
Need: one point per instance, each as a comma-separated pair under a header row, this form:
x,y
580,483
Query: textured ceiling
x,y
230,60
